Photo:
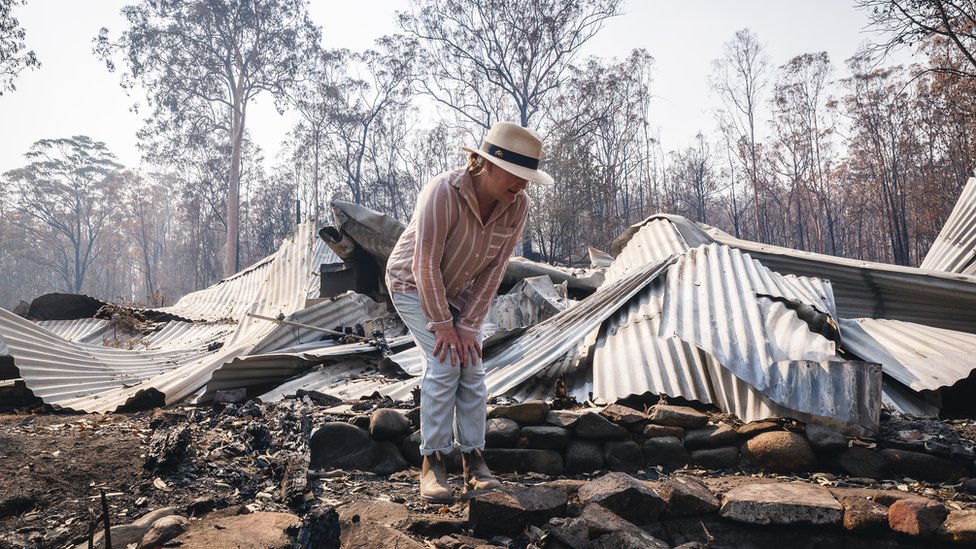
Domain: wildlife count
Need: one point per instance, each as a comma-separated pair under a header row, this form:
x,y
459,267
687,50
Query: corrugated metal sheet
x,y
528,354
631,358
954,250
83,330
920,357
234,296
99,379
864,289
713,302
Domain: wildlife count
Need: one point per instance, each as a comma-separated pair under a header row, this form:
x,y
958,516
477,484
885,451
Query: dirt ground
x,y
53,468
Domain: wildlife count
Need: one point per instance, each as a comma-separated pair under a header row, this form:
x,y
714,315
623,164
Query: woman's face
x,y
502,185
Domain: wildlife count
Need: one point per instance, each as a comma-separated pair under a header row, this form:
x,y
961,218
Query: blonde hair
x,y
476,164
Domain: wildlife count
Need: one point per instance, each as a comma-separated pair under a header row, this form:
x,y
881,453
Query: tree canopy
x,y
202,62
14,55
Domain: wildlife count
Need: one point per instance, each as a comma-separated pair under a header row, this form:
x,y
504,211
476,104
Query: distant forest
x,y
865,166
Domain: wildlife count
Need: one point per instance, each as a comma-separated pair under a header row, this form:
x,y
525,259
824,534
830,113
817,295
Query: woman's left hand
x,y
470,348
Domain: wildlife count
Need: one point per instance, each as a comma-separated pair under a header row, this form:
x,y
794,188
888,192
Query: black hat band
x,y
510,156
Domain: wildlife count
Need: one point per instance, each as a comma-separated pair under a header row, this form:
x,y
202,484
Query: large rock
x,y
652,430
622,415
162,531
623,455
319,530
710,436
335,441
916,517
716,458
388,424
780,451
433,526
501,433
583,456
508,511
863,463
341,445
625,496
922,466
666,451
677,416
862,514
594,426
509,460
792,503
379,511
572,533
960,527
686,495
261,530
122,536
562,418
753,428
825,438
545,437
600,520
376,536
628,539
532,412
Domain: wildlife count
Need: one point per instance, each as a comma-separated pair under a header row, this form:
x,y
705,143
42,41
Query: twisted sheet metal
x,y
630,358
231,298
94,378
83,330
529,353
954,250
920,357
650,241
864,289
713,302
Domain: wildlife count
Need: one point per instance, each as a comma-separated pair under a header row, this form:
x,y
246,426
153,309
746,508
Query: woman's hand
x,y
461,348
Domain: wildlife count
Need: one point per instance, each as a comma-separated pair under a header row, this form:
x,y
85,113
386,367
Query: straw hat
x,y
515,149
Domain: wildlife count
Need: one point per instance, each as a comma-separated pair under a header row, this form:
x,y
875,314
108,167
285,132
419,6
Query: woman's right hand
x,y
447,343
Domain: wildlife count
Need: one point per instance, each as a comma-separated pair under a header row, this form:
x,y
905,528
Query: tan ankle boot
x,y
477,476
433,481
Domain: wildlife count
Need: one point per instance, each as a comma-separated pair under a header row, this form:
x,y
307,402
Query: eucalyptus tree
x,y
947,28
210,59
739,77
486,56
66,195
14,55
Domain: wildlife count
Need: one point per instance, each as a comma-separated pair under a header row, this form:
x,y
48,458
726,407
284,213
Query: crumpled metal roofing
x,y
918,356
94,378
527,354
886,291
954,250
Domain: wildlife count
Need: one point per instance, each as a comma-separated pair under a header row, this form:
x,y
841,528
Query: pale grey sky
x,y
72,93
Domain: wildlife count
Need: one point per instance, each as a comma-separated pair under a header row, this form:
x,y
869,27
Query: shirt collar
x,y
465,186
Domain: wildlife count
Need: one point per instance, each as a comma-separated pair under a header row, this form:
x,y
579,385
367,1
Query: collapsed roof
x,y
683,309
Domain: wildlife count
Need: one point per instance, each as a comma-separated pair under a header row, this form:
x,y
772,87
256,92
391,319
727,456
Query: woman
x,y
442,276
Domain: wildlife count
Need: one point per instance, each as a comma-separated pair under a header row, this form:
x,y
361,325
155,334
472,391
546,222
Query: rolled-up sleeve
x,y
433,223
487,283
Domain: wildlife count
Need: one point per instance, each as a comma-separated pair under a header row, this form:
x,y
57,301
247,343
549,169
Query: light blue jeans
x,y
448,394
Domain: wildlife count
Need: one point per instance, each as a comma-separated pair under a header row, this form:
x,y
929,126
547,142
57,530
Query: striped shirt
x,y
449,256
